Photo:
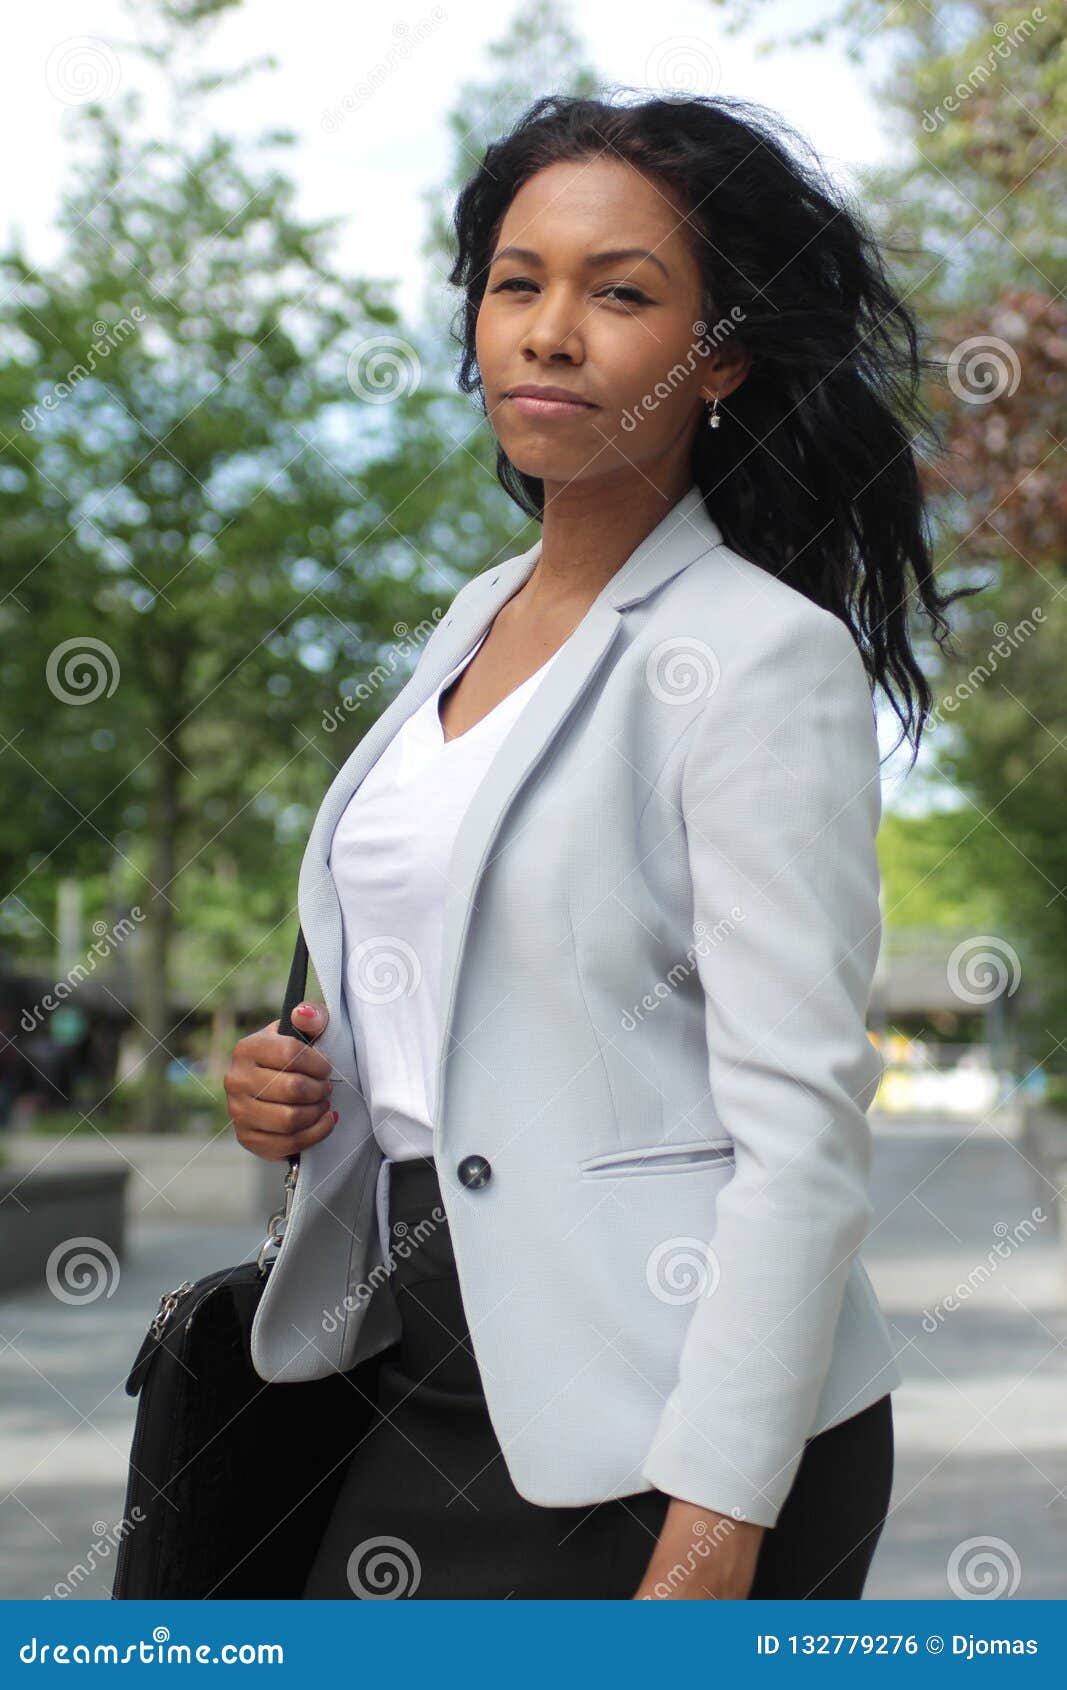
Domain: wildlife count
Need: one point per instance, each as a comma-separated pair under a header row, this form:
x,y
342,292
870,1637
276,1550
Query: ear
x,y
726,369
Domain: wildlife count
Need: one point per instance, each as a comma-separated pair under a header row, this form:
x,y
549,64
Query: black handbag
x,y
231,1478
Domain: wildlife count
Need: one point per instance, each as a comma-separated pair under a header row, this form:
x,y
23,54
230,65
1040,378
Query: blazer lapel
x,y
684,534
320,912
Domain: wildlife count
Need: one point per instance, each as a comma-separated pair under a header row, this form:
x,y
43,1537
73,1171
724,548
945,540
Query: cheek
x,y
657,387
487,335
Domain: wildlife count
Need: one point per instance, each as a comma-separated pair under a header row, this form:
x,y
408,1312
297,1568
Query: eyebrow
x,y
595,261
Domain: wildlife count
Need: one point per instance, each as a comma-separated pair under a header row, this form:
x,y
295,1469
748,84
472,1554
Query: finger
x,y
269,1085
274,1147
259,1116
272,1049
311,1018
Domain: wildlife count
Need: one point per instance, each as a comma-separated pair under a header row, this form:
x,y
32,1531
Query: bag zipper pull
x,y
168,1302
279,1221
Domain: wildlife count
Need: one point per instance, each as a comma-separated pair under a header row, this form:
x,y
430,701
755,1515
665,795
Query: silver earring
x,y
714,418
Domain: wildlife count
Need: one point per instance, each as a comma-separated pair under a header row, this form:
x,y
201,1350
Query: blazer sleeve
x,y
781,803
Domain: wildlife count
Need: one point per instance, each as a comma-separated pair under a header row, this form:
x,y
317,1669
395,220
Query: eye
x,y
618,290
635,296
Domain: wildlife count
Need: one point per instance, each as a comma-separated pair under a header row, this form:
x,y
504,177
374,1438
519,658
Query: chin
x,y
549,464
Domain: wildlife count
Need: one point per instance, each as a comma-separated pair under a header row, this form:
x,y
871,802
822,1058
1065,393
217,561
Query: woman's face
x,y
593,288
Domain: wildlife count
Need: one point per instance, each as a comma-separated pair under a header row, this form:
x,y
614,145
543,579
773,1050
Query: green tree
x,y
238,494
978,92
212,531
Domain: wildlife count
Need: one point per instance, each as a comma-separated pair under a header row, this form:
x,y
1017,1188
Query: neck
x,y
590,529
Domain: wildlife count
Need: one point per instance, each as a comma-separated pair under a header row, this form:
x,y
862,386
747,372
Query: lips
x,y
547,401
531,390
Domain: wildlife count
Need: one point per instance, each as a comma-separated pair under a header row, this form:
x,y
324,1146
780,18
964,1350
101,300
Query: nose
x,y
552,327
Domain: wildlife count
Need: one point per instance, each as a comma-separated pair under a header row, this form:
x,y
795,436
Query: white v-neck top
x,y
389,858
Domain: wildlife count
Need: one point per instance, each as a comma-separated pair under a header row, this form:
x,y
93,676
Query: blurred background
x,y
237,480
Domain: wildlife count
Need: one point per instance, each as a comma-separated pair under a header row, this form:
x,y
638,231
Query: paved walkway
x,y
981,1420
67,1422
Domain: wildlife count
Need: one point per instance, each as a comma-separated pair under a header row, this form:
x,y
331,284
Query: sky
x,y
373,164
371,160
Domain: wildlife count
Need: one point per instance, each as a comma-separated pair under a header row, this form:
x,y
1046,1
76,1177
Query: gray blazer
x,y
654,1071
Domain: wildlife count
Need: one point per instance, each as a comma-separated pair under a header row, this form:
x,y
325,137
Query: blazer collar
x,y
684,534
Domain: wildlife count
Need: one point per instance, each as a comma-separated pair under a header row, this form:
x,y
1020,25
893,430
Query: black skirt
x,y
426,1508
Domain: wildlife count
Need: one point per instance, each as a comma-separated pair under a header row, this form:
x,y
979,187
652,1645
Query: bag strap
x,y
295,990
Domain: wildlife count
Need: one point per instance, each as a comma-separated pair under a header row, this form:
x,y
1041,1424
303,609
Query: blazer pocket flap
x,y
658,1158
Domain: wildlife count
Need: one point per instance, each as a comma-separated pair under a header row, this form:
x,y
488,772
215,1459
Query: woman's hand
x,y
278,1088
701,1556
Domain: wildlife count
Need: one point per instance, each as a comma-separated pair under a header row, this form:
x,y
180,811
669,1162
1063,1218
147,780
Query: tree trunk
x,y
159,905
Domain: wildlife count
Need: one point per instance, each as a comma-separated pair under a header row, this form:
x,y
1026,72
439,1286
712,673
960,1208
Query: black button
x,y
474,1171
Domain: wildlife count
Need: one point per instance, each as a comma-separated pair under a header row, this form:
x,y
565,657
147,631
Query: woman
x,y
584,1151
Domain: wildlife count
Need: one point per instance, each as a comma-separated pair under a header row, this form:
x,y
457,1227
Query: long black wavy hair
x,y
813,476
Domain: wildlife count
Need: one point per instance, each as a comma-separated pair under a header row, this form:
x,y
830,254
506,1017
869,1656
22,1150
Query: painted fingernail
x,y
334,1116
